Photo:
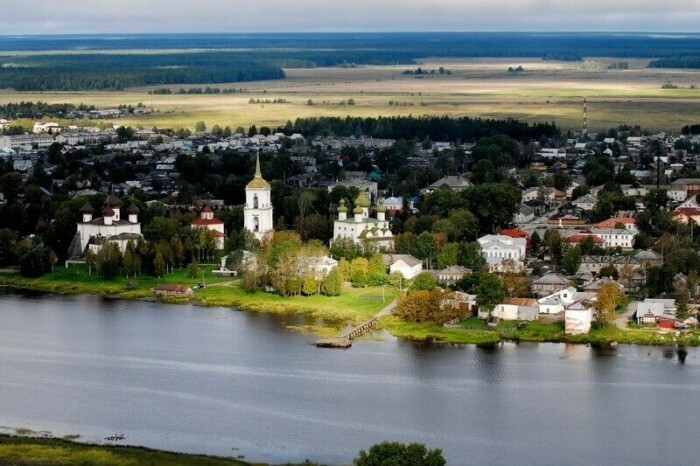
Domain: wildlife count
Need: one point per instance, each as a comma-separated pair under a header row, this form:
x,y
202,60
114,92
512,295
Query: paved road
x,y
621,320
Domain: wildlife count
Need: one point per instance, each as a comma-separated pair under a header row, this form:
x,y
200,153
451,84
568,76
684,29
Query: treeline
x,y
690,129
40,109
692,62
324,49
435,128
197,90
72,72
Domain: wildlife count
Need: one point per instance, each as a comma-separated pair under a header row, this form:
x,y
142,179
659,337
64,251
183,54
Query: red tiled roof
x,y
578,238
514,233
207,209
200,222
611,222
688,211
172,288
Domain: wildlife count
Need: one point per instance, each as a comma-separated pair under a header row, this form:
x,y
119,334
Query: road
x,y
621,320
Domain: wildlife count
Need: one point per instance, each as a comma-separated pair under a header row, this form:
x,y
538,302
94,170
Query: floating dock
x,y
334,343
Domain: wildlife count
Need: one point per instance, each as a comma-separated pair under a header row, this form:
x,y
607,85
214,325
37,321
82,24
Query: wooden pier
x,y
344,340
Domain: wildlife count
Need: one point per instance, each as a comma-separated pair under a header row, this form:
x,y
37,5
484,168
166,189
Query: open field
x,y
545,91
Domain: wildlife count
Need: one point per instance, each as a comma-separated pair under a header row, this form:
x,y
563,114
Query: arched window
x,y
255,201
256,220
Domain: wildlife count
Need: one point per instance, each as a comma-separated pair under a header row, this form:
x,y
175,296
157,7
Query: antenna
x,y
584,133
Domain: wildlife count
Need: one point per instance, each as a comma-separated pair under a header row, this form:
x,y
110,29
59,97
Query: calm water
x,y
219,381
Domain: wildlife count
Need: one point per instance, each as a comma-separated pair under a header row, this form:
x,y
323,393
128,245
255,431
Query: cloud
x,y
173,16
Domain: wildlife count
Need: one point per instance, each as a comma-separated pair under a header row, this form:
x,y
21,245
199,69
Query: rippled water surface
x,y
220,381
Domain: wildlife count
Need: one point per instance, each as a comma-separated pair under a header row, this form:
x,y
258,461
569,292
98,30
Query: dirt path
x,y
621,320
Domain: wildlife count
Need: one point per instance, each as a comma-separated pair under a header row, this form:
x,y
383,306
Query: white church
x,y
257,213
362,228
93,233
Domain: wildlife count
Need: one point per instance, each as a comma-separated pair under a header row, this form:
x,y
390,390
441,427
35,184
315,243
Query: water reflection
x,y
209,379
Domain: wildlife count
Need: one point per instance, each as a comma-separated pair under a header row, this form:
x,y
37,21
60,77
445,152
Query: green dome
x,y
357,210
381,207
362,200
342,207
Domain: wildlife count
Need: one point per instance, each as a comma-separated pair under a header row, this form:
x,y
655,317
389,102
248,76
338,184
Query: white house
x,y
517,309
497,248
319,266
405,264
557,302
586,202
46,127
525,214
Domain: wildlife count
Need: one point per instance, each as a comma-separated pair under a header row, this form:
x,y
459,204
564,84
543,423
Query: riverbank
x,y
328,314
43,451
353,306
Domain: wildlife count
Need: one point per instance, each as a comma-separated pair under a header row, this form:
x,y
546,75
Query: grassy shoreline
x,y
352,307
43,451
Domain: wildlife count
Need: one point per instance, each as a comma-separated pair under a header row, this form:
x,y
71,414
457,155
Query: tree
x,y
309,285
571,260
448,255
470,256
489,292
200,127
606,302
424,281
36,261
332,285
493,204
109,260
399,454
378,275
359,268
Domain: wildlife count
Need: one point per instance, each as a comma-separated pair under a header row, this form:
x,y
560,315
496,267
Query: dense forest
x,y
99,62
428,127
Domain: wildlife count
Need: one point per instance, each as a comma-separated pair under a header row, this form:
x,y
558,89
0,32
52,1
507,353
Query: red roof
x,y
687,211
514,233
207,209
200,222
611,222
580,237
172,288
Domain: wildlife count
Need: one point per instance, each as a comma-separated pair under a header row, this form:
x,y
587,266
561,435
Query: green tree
x,y
109,260
448,255
571,260
309,285
332,285
489,292
359,272
470,256
493,204
36,261
424,281
193,269
200,127
378,275
399,454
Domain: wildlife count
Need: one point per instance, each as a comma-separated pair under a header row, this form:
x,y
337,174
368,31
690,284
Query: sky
x,y
187,16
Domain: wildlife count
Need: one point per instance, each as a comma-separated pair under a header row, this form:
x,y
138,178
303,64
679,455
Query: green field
x,y
546,91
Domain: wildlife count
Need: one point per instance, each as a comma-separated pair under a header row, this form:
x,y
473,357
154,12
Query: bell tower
x,y
258,204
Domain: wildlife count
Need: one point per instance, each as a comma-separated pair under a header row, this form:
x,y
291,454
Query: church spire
x,y
258,173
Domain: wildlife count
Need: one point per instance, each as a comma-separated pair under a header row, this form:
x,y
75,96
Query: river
x,y
225,382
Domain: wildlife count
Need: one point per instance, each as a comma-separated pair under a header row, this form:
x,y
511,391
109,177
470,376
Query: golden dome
x,y
258,182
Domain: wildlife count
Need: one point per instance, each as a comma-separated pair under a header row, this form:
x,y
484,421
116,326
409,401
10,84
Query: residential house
x,y
549,283
586,202
516,309
452,274
174,290
615,237
525,214
407,265
456,183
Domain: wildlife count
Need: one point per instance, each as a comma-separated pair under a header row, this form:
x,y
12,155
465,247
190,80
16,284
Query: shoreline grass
x,y
353,306
44,451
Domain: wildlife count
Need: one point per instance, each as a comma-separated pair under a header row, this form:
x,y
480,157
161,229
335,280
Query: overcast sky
x,y
171,16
